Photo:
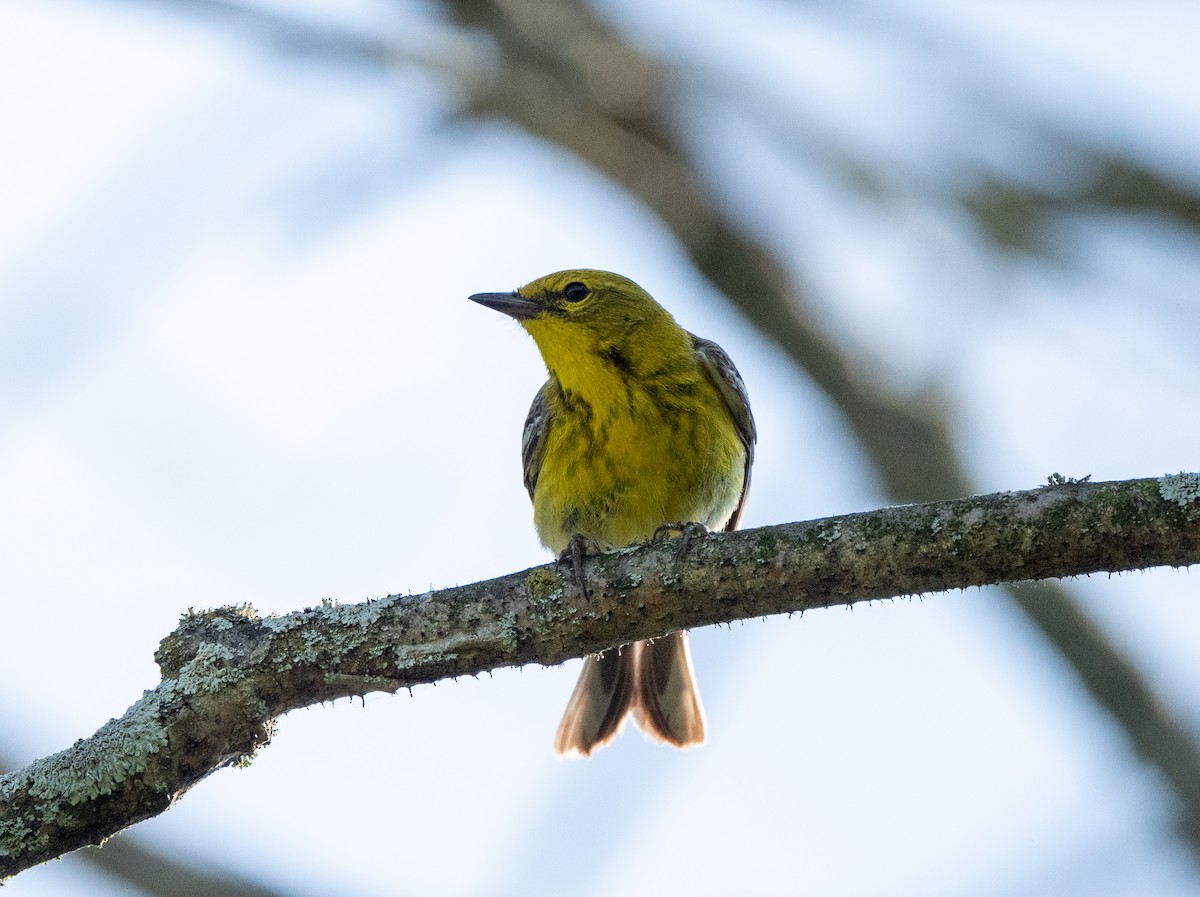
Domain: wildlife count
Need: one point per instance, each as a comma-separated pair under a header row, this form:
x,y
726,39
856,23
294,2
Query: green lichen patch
x,y
543,585
361,615
209,670
285,623
1182,489
17,838
830,534
94,766
229,613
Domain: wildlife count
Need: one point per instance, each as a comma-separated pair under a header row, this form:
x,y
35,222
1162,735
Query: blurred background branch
x,y
645,115
543,85
565,76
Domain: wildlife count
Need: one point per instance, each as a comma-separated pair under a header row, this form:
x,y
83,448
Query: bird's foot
x,y
577,549
687,533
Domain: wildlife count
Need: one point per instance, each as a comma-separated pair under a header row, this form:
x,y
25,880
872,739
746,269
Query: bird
x,y
640,426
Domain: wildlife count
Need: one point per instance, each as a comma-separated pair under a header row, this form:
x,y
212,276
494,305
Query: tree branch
x,y
228,673
546,85
145,869
566,76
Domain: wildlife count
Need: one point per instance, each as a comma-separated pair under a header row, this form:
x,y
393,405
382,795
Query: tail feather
x,y
599,704
653,681
666,703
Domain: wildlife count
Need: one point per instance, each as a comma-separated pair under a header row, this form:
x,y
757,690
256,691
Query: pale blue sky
x,y
237,364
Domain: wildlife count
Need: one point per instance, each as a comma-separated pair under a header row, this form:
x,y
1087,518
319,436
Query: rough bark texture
x,y
565,75
228,673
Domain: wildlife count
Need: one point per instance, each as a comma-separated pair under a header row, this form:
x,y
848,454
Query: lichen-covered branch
x,y
566,75
228,673
635,119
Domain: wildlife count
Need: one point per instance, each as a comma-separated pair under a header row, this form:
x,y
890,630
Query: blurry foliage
x,y
563,74
1021,216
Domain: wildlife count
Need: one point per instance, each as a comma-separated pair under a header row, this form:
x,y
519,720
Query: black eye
x,y
575,291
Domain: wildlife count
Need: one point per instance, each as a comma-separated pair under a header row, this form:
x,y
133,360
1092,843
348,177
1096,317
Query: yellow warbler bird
x,y
640,424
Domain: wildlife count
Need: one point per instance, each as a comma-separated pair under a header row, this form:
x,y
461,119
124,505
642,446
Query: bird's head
x,y
586,320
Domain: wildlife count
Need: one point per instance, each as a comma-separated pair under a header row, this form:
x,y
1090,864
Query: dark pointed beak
x,y
512,304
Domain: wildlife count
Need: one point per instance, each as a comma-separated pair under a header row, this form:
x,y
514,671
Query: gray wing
x,y
728,381
533,438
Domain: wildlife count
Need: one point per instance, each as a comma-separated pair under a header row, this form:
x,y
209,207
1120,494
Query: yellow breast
x,y
635,455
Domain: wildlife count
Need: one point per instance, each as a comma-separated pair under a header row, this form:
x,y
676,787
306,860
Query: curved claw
x,y
577,549
687,532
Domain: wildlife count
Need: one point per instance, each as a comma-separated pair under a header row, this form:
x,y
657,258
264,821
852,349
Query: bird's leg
x,y
577,549
687,532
